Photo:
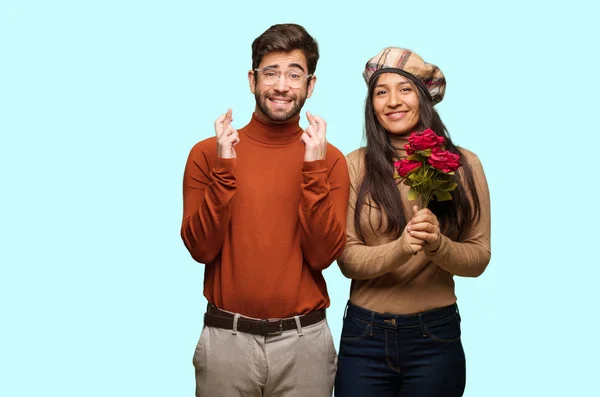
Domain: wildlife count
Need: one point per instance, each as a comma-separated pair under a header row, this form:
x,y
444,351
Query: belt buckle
x,y
265,323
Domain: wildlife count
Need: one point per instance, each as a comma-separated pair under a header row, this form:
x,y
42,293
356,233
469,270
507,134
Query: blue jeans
x,y
387,355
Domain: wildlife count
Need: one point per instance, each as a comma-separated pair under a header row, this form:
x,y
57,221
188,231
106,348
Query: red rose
x,y
443,160
405,167
425,140
409,150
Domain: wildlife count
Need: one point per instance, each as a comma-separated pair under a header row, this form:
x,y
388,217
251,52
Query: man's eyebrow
x,y
296,65
291,65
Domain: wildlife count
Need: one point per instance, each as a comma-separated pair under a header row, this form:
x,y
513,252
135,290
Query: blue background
x,y
101,101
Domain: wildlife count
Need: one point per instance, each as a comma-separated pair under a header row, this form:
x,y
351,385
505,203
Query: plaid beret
x,y
407,63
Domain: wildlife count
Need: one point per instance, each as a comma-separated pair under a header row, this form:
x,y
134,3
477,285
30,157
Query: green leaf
x,y
442,195
443,177
445,185
451,186
415,176
425,153
429,172
412,194
416,157
439,184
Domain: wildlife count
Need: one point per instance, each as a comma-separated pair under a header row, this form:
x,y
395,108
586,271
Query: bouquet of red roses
x,y
428,168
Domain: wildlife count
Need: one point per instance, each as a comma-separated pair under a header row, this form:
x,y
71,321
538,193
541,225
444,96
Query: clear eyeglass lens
x,y
293,77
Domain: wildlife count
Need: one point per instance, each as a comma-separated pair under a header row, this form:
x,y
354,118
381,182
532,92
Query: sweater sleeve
x,y
360,261
206,211
471,255
322,211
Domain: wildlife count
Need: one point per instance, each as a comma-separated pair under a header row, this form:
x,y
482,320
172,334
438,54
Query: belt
x,y
215,317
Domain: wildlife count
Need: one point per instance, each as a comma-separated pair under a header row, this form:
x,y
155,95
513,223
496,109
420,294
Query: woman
x,y
401,333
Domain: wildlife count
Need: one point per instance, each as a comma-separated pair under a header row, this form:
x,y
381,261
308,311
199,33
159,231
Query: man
x,y
265,210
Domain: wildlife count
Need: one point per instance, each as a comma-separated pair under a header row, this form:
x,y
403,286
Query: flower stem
x,y
427,200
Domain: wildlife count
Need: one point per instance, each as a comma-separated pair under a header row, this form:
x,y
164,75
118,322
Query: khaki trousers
x,y
297,363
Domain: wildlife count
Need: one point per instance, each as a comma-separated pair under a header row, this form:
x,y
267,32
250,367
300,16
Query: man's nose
x,y
282,84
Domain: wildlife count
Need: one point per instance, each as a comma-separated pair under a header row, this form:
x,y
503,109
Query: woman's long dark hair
x,y
379,184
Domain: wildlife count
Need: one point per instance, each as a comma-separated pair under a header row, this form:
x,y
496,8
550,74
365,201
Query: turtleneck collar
x,y
271,133
398,142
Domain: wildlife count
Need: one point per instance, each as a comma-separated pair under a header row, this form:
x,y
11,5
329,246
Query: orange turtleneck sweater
x,y
267,223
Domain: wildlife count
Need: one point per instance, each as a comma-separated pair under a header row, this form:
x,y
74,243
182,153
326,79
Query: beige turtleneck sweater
x,y
386,276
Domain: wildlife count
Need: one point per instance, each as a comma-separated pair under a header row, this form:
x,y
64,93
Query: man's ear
x,y
251,80
311,86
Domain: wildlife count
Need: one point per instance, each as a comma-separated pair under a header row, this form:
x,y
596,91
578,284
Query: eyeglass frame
x,y
260,70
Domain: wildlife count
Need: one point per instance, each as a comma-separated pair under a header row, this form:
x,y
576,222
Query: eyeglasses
x,y
271,76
